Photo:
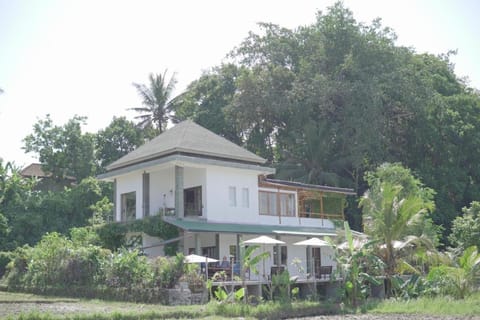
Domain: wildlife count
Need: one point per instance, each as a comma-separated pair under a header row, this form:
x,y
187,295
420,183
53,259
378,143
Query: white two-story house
x,y
218,195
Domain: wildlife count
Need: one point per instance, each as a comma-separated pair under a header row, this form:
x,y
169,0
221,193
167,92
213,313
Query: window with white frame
x,y
287,204
276,203
128,206
283,255
267,203
232,196
245,198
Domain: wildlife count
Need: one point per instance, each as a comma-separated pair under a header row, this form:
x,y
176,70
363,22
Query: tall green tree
x,y
466,228
206,101
120,137
63,150
394,204
157,101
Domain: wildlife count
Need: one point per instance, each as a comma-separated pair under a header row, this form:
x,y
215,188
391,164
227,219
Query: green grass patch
x,y
272,310
29,307
430,306
14,297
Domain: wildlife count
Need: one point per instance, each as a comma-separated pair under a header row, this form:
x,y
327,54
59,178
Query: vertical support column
x,y
309,259
114,198
217,245
179,210
322,214
277,206
198,248
278,258
238,256
146,194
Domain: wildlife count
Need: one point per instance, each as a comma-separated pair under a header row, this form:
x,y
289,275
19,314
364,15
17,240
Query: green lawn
x,y
431,306
29,306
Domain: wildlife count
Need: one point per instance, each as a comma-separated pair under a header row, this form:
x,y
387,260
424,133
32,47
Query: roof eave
x,y
186,159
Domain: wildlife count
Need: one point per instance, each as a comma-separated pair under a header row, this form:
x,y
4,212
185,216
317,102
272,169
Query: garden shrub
x,y
128,268
167,271
5,258
18,266
84,266
47,259
75,267
85,236
113,235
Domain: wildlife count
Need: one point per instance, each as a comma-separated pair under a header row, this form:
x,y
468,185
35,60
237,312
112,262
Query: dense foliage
x,y
59,262
466,228
328,101
113,235
335,102
324,103
26,213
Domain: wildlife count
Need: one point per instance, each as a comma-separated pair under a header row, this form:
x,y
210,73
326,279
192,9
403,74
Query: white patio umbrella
x,y
263,240
194,258
313,242
357,244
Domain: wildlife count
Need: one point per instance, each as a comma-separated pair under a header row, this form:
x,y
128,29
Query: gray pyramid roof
x,y
190,138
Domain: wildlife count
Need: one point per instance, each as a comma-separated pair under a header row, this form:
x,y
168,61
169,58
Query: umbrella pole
x,y
264,278
314,275
206,267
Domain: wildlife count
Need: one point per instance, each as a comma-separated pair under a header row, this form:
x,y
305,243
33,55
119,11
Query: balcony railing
x,y
316,215
167,212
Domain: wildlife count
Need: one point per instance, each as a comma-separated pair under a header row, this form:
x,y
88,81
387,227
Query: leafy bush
x,y
167,271
56,261
128,269
84,236
113,235
84,266
5,258
18,266
466,228
458,281
47,259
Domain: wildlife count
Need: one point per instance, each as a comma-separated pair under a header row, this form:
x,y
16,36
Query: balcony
x,y
319,205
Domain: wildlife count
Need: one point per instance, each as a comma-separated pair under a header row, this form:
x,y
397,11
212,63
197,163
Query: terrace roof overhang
x,y
260,229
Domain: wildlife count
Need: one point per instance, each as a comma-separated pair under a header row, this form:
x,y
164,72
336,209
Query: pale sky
x,y
70,57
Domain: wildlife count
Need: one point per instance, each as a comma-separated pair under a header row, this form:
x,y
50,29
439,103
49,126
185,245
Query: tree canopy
x,y
329,101
324,103
157,101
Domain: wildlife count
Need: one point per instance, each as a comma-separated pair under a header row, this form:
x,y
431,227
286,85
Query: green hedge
x,y
112,235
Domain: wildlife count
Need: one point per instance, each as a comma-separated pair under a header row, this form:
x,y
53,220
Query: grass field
x,y
29,307
431,306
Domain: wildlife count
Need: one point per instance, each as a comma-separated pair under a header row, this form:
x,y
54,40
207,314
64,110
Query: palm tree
x,y
157,103
387,216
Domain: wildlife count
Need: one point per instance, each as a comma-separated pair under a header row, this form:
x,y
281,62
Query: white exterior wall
x,y
152,250
205,239
162,190
129,183
218,181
